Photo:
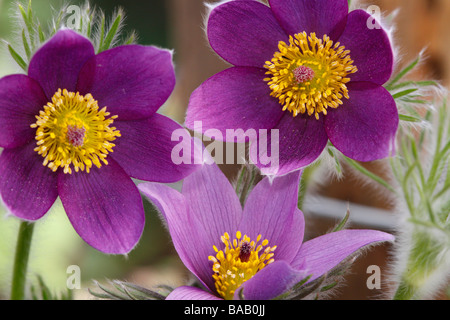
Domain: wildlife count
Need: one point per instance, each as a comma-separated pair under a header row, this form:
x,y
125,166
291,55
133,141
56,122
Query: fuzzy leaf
x,y
19,60
111,34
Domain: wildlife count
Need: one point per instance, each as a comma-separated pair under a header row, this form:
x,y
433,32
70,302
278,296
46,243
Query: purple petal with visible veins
x,y
21,99
271,211
213,202
322,254
187,232
28,189
370,49
244,33
272,281
104,207
191,293
144,149
364,128
299,142
319,16
58,62
237,98
132,81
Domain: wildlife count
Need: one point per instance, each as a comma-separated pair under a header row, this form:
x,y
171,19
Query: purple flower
x,y
307,68
259,248
80,126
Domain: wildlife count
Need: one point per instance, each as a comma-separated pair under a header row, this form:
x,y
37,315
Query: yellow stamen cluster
x,y
329,63
72,131
238,262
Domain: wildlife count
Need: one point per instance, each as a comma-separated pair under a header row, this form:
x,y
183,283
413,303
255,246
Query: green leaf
x,y
28,19
41,34
131,38
19,60
111,33
337,164
26,45
370,174
42,292
403,93
108,294
404,117
295,289
344,221
136,292
102,33
125,291
403,73
328,287
444,213
89,25
427,83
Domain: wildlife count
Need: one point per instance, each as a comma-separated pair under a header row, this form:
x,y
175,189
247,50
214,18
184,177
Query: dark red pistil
x,y
75,135
303,74
245,252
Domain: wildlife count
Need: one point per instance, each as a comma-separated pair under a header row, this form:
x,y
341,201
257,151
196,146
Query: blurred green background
x,y
55,243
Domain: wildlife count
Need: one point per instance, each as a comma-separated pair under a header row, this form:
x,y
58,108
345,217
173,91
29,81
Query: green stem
x,y
248,185
21,260
304,184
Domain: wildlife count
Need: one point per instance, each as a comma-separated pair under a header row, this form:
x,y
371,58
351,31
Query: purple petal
x,y
364,128
144,150
132,81
322,254
104,206
191,293
187,233
21,99
213,202
271,211
215,207
244,33
57,64
319,16
28,189
294,143
370,49
237,98
272,281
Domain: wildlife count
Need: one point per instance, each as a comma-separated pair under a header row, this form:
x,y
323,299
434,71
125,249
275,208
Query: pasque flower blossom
x,y
307,68
79,126
255,252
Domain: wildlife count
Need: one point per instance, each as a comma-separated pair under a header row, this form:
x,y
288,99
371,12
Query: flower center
x,y
238,262
303,74
71,131
309,74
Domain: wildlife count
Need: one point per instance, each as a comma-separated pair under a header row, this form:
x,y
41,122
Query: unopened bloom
x,y
307,68
80,126
256,252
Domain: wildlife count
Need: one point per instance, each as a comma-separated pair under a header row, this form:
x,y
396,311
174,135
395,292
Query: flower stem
x,y
21,260
305,182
